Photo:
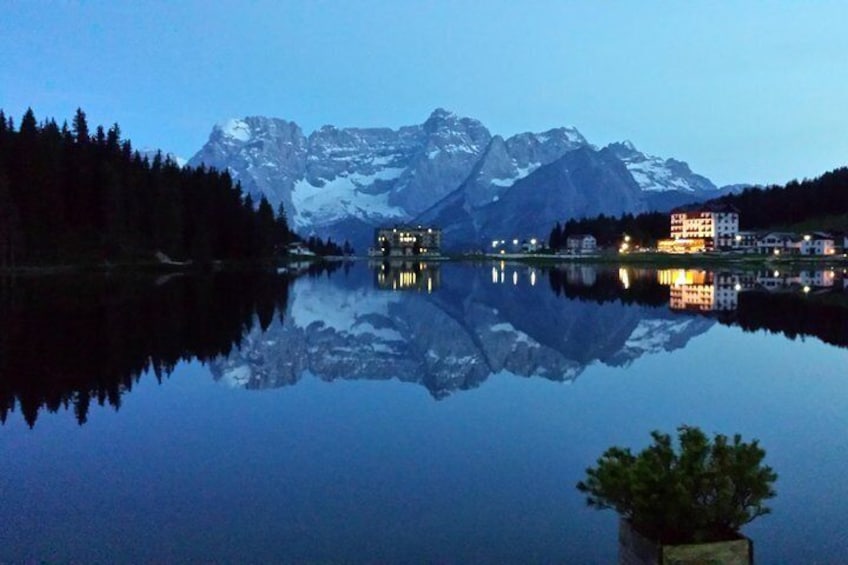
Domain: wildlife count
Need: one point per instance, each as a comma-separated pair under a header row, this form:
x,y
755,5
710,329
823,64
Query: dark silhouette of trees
x,y
67,196
643,229
765,207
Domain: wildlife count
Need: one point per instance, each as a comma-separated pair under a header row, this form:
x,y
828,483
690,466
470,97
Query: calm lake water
x,y
402,413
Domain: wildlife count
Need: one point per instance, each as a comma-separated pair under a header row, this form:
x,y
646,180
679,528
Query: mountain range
x,y
448,171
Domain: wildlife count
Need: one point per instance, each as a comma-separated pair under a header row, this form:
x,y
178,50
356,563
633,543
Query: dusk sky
x,y
745,92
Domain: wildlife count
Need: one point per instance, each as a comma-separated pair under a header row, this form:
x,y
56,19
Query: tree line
x,y
760,208
609,230
68,194
794,202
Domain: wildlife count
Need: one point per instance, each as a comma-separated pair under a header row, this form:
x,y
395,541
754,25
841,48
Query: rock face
x,y
470,328
450,170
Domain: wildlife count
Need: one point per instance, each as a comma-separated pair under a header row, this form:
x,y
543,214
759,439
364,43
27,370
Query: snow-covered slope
x,y
655,174
342,182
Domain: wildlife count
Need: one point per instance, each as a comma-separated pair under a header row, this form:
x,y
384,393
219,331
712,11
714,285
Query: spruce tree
x,y
80,127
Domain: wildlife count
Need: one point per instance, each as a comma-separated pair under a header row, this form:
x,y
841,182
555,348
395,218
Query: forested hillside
x,y
69,195
760,208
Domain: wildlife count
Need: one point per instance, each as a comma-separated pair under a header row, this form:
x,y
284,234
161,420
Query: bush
x,y
706,492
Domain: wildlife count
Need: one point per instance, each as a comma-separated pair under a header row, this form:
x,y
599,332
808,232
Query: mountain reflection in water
x,y
65,341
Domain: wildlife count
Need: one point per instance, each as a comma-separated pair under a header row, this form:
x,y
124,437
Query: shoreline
x,y
656,260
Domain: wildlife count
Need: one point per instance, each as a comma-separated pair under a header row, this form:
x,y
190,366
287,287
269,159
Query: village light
x,y
515,242
494,243
806,289
777,251
806,238
738,237
627,238
738,287
533,241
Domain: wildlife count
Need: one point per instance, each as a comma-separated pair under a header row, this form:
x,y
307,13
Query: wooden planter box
x,y
635,549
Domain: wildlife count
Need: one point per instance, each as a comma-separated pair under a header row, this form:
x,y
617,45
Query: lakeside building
x,y
407,241
582,244
777,243
299,248
817,243
786,243
746,241
701,227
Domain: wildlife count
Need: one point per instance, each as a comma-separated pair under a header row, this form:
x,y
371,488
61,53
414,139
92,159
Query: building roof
x,y
706,207
408,227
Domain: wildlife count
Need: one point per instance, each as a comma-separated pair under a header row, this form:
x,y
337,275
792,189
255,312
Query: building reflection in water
x,y
421,276
705,291
503,273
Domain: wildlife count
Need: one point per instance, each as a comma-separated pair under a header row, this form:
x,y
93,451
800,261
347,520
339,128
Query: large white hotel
x,y
702,228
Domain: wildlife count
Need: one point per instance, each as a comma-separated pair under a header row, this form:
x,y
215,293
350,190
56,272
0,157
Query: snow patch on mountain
x,y
520,173
655,174
235,129
344,197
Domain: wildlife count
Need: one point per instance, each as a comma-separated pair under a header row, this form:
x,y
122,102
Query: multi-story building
x,y
715,224
407,241
581,244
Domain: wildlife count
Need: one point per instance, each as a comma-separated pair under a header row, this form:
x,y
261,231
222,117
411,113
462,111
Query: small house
x,y
581,244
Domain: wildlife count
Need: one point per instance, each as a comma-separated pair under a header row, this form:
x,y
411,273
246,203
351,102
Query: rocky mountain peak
x,y
342,182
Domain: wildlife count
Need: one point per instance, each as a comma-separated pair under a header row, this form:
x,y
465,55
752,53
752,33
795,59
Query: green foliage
x,y
705,491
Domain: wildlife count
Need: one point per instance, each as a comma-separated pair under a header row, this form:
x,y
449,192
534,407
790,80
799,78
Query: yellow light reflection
x,y
624,278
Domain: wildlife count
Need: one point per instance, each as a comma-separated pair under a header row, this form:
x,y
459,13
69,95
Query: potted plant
x,y
684,505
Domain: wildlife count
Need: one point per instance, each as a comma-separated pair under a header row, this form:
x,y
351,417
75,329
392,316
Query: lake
x,y
402,412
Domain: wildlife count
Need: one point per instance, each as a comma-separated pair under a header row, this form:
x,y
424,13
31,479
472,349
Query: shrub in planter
x,y
703,492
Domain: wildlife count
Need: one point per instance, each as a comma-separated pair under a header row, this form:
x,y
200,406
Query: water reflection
x,y
67,341
406,275
496,318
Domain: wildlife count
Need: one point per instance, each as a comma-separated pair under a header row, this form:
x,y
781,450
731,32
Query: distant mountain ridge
x,y
449,170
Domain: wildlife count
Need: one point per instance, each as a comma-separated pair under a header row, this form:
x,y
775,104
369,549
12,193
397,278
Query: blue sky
x,y
745,92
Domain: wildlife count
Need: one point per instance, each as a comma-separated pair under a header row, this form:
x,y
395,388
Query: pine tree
x,y
80,127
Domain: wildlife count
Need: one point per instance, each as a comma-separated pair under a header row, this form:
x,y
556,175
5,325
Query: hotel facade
x,y
407,241
700,228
